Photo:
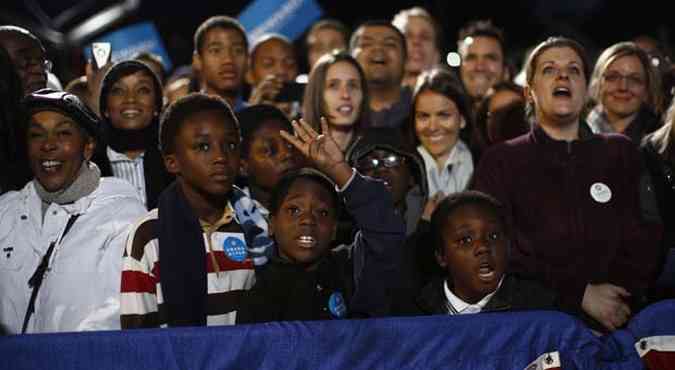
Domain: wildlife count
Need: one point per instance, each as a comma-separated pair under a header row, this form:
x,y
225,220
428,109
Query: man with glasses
x,y
28,55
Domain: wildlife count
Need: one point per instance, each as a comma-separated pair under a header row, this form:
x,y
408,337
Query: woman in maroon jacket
x,y
572,196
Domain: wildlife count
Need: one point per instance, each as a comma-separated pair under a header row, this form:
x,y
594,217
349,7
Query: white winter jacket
x,y
80,290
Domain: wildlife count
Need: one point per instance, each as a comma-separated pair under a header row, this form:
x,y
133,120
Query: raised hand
x,y
320,149
266,90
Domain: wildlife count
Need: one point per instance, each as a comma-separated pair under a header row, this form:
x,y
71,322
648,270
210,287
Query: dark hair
x,y
457,200
484,28
378,23
253,118
281,190
332,24
218,21
177,112
11,92
12,127
480,137
442,81
125,68
313,104
533,58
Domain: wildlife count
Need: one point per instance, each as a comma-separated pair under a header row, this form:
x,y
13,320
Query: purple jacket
x,y
574,207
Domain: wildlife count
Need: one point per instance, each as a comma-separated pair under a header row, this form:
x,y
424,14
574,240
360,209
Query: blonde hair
x,y
654,90
663,137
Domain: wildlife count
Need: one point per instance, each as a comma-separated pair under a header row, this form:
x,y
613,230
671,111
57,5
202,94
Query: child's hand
x,y
321,150
266,91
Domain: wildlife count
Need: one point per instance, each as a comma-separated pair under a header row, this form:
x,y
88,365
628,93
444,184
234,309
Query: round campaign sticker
x,y
601,193
234,248
336,305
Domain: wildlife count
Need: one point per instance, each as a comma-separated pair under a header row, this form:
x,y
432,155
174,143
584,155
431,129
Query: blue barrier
x,y
484,341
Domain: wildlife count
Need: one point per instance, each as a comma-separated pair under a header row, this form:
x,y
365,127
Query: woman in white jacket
x,y
62,236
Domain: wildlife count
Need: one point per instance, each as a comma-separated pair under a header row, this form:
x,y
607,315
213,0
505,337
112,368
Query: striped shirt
x,y
229,271
129,169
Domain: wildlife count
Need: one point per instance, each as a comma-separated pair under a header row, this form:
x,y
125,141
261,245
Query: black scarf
x,y
124,140
182,260
157,178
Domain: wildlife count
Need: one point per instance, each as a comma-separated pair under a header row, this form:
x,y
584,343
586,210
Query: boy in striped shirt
x,y
207,233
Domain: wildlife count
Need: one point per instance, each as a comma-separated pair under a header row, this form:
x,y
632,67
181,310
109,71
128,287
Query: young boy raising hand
x,y
307,280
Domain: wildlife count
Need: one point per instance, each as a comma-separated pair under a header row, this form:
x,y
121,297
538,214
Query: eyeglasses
x,y
390,161
631,80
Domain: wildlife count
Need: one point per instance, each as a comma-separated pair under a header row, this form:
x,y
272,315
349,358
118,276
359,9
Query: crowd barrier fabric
x,y
483,341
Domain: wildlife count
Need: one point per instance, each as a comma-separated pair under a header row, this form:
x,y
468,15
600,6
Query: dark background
x,y
596,23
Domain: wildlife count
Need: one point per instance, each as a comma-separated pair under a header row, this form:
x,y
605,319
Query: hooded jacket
x,y
391,140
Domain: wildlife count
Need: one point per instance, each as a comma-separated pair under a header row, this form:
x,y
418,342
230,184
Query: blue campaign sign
x,y
287,17
133,39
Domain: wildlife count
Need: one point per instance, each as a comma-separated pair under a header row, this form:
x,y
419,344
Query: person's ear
x,y
89,148
333,235
196,63
529,98
462,123
249,77
171,164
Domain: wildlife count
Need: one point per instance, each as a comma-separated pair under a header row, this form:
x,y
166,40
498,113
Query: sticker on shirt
x,y
232,244
337,306
601,193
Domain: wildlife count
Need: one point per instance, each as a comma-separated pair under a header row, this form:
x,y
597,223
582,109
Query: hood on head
x,y
125,68
391,140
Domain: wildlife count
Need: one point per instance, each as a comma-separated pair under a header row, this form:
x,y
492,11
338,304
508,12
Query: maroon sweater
x,y
562,235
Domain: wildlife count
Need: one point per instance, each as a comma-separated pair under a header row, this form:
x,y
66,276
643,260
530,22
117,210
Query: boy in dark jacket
x,y
307,280
472,245
382,154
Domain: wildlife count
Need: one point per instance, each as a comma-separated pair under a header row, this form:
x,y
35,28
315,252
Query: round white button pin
x,y
601,193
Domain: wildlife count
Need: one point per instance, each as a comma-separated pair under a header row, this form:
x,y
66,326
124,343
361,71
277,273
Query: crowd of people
x,y
391,185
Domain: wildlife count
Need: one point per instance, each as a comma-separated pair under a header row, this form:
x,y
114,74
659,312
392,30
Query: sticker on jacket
x,y
336,305
233,245
601,193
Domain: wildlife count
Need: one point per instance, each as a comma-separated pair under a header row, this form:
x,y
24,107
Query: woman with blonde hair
x,y
625,93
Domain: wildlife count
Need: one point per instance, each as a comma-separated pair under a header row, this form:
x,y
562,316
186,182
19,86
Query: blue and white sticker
x,y
233,245
336,305
601,193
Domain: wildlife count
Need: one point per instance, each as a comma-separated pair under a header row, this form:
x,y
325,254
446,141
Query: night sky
x,y
596,23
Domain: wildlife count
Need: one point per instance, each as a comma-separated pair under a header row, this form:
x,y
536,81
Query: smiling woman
x,y
68,221
130,104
